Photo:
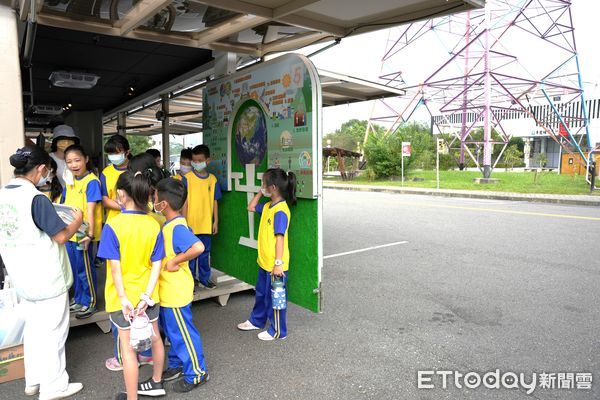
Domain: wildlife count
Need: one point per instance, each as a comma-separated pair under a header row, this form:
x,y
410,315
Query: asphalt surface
x,y
475,285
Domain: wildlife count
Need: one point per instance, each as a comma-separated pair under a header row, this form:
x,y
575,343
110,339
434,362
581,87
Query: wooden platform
x,y
226,285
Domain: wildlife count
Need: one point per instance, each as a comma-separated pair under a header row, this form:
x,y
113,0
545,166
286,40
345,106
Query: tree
x,y
384,151
512,155
349,134
139,144
541,159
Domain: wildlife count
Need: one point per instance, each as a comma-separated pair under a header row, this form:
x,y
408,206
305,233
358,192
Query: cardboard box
x,y
12,363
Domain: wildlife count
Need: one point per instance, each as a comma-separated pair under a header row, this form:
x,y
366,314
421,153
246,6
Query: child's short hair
x,y
201,149
154,153
173,192
186,154
116,143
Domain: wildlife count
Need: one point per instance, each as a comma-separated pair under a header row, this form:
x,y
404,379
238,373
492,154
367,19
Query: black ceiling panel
x,y
119,62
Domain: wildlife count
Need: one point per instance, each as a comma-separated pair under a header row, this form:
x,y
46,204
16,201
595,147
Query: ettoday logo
x,y
504,380
472,380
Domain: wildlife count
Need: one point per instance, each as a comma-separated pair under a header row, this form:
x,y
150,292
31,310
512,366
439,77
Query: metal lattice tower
x,y
513,59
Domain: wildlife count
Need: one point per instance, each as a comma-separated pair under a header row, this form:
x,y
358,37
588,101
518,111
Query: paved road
x,y
479,285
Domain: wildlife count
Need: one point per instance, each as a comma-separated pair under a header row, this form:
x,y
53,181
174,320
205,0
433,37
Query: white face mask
x,y
199,166
44,179
184,169
116,159
156,210
265,193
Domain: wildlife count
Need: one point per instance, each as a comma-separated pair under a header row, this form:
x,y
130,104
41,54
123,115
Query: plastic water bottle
x,y
278,298
79,236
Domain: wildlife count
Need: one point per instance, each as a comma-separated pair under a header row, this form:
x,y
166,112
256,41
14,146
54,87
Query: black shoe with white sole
x,y
181,386
151,388
210,285
171,374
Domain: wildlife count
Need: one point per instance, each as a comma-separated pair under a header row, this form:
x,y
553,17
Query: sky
x,y
360,56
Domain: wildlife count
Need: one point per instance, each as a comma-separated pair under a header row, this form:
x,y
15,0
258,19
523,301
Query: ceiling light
x,y
73,80
47,110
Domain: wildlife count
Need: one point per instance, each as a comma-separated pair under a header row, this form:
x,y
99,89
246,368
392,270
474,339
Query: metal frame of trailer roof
x,y
185,98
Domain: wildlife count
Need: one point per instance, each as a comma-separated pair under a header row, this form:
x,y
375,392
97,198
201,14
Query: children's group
x,y
152,232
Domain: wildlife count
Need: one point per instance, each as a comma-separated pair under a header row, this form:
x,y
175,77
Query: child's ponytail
x,y
291,189
285,183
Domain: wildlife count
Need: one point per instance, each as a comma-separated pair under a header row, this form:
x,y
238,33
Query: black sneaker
x,y
151,388
171,374
85,312
210,285
181,386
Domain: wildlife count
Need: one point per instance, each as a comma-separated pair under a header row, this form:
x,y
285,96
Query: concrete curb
x,y
579,200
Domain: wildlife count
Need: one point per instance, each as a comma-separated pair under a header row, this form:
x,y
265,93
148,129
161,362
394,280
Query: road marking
x,y
499,211
365,249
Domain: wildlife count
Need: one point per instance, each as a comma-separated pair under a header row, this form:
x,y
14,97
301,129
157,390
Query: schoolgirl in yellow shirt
x,y
273,251
133,245
84,194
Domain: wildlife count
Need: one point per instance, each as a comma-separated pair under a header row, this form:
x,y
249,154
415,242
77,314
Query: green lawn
x,y
520,182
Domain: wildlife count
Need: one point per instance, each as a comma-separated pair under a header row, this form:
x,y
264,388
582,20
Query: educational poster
x,y
258,118
264,113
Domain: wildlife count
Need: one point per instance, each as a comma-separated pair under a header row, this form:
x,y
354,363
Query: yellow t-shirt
x,y
48,194
176,289
135,239
202,193
84,190
267,238
108,179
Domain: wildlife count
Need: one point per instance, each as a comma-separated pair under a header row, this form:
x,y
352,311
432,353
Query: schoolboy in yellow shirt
x,y
176,291
117,148
202,211
185,163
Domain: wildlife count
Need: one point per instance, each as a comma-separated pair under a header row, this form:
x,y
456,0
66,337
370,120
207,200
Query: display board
x,y
263,117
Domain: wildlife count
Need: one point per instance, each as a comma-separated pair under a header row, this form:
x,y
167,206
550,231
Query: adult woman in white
x,y
62,137
32,238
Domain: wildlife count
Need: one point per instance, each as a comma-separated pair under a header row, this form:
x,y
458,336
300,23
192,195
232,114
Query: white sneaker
x,y
265,335
32,390
247,326
69,391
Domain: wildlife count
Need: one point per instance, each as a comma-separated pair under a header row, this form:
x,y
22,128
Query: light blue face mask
x,y
116,159
44,179
184,169
199,166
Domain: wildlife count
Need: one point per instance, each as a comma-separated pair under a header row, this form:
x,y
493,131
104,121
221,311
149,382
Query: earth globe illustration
x,y
250,130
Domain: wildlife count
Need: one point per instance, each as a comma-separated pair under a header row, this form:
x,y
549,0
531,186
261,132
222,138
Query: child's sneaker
x,y
181,386
145,360
112,364
75,308
171,374
247,326
151,388
85,312
266,336
210,285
